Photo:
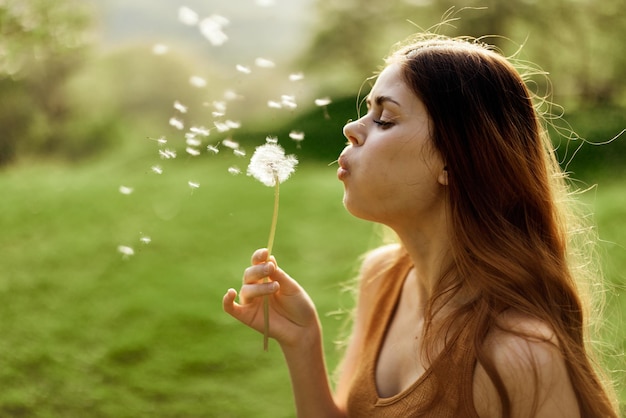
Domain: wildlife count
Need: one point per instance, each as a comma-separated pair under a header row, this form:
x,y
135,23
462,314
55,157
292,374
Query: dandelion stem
x,y
270,244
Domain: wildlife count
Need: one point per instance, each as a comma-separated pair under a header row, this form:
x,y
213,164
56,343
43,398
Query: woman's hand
x,y
292,314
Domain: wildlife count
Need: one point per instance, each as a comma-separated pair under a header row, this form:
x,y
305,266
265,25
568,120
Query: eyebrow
x,y
382,99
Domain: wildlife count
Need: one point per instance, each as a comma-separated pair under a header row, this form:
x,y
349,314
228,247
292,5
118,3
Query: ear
x,y
443,176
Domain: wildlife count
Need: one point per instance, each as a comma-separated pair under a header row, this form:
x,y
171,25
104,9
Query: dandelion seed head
x,y
197,81
125,190
296,135
180,107
323,101
125,250
212,29
264,63
160,49
192,151
212,149
239,152
234,170
187,16
296,77
243,69
229,143
269,164
156,169
176,123
193,184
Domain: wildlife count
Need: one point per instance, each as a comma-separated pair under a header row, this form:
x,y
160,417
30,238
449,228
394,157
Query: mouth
x,y
342,171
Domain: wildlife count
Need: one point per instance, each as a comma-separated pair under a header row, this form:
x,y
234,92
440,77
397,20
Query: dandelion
x,y
221,126
200,130
176,123
156,169
125,250
125,190
271,140
271,166
212,149
192,141
234,170
212,29
180,107
197,81
167,154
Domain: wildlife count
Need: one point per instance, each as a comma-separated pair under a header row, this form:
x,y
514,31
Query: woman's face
x,y
390,171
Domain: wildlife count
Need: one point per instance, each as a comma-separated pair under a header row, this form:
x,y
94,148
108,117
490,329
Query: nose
x,y
353,131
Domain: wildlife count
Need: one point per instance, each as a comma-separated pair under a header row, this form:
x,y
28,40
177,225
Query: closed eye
x,y
383,123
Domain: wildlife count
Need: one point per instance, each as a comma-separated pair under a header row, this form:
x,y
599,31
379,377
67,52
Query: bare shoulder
x,y
526,356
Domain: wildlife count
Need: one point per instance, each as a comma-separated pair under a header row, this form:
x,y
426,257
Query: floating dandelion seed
x,y
232,124
187,16
167,154
212,149
229,143
296,135
243,69
212,29
296,77
274,104
271,166
234,170
160,49
231,95
288,101
217,114
180,107
265,3
193,184
323,102
200,130
221,126
177,123
197,81
271,140
192,151
125,190
219,106
192,141
156,169
264,63
125,250
239,152
145,240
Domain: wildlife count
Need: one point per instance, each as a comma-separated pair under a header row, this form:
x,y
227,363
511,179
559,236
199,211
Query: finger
x,y
228,302
249,292
259,256
258,272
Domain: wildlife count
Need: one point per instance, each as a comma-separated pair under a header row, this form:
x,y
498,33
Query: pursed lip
x,y
342,171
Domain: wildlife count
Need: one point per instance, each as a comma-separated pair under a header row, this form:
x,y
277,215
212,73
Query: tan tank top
x,y
445,388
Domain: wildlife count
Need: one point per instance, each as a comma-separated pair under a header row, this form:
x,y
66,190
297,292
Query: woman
x,y
475,312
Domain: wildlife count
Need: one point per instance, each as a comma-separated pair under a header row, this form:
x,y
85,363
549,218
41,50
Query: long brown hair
x,y
511,242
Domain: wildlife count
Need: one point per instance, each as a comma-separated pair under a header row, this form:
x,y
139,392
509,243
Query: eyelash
x,y
383,124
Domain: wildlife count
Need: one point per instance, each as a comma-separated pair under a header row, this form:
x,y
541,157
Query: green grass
x,y
86,333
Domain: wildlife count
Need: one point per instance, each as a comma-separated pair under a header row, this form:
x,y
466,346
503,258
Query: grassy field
x,y
88,333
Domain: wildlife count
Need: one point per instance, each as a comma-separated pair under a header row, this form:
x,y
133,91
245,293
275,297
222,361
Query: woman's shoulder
x,y
380,259
525,354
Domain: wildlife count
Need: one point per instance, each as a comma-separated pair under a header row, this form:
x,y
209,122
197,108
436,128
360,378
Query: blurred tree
x,y
578,41
41,43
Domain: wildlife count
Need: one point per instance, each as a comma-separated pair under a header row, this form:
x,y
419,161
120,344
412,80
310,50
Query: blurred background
x,y
125,128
